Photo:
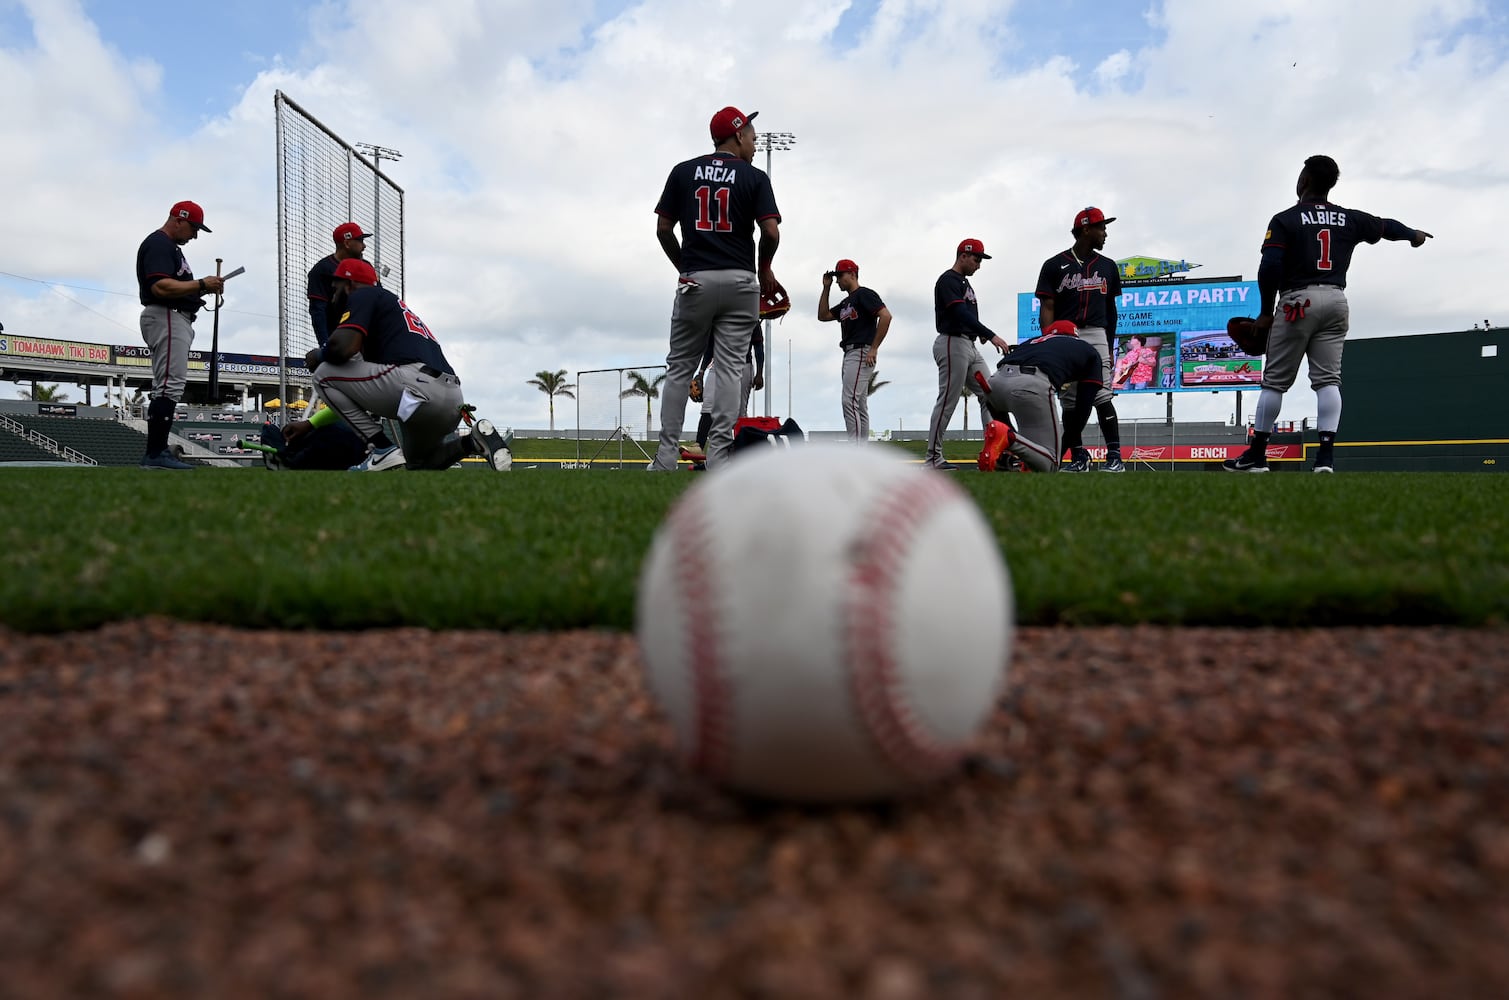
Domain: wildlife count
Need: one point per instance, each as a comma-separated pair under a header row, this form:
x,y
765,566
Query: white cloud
x,y
536,142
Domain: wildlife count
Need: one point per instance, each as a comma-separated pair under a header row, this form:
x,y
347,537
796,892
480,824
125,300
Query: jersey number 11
x,y
708,199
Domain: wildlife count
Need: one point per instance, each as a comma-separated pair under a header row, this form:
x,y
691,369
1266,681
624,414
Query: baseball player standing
x,y
1082,286
717,199
350,244
863,320
170,299
1306,253
1026,384
382,361
956,315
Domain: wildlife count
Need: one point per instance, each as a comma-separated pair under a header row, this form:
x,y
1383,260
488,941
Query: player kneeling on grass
x,y
382,361
1027,384
323,442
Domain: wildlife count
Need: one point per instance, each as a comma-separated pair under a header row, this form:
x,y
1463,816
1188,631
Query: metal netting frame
x,y
296,216
619,432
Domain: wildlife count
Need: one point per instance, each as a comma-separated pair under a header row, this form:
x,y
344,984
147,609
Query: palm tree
x,y
553,384
44,394
643,387
875,386
965,394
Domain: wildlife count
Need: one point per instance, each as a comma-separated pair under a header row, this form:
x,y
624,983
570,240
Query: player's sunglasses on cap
x,y
356,270
349,231
191,212
975,248
1091,216
728,121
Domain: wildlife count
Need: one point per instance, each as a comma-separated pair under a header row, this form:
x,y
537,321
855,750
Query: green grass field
x,y
553,549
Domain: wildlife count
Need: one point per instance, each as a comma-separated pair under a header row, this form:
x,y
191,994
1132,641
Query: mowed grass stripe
x,y
553,549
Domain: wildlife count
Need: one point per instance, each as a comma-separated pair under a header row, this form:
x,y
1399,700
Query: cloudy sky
x,y
536,138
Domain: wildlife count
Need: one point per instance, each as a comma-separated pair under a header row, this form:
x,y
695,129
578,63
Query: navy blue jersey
x,y
717,199
393,335
858,315
321,288
1316,239
1063,359
159,257
950,288
1081,291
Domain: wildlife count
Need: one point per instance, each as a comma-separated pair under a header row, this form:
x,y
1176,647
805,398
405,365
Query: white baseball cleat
x,y
381,460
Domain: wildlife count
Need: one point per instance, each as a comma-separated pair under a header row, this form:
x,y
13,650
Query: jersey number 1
x,y
708,199
1324,264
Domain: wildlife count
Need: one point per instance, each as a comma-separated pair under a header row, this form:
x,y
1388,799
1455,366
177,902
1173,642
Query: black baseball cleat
x,y
1246,462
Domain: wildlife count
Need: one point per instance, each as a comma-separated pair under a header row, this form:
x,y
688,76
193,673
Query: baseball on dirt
x,y
825,623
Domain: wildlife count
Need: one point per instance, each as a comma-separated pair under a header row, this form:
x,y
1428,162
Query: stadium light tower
x,y
378,154
770,142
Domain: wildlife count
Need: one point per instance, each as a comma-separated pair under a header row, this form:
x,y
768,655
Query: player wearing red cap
x,y
1082,285
170,299
1026,384
350,244
717,199
864,320
382,361
956,315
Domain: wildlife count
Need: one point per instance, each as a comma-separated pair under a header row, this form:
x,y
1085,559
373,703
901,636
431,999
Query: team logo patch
x,y
345,317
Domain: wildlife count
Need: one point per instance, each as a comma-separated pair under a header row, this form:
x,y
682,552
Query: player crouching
x,y
382,361
1027,384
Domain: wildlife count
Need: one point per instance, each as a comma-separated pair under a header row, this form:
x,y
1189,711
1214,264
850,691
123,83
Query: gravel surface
x,y
199,811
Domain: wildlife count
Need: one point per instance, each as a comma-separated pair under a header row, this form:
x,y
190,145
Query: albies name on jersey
x,y
1323,218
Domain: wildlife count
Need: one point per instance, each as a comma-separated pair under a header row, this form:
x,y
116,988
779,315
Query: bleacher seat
x,y
108,442
17,449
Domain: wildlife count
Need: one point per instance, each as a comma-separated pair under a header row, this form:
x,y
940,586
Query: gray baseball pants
x,y
856,394
169,334
361,391
1033,404
1318,334
958,359
719,304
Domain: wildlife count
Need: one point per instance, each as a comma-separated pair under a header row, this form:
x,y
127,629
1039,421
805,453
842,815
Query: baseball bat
x,y
214,388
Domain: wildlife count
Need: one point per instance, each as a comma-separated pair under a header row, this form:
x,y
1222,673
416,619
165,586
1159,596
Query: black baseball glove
x,y
1249,339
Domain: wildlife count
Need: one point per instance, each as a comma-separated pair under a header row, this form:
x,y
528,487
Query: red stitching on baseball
x,y
712,743
874,677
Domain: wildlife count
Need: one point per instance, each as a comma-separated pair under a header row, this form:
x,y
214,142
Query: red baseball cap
x,y
349,231
975,247
728,121
845,265
1061,328
192,212
1090,216
357,270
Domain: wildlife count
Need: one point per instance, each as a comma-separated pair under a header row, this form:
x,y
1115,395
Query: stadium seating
x,y
108,442
18,449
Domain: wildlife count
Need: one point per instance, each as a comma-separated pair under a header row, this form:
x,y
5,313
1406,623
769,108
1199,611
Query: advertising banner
x,y
1172,337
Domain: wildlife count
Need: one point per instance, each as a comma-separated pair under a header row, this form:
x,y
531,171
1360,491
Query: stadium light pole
x,y
378,154
770,142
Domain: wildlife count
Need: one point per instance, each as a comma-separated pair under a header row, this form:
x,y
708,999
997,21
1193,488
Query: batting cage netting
x,y
618,414
324,181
